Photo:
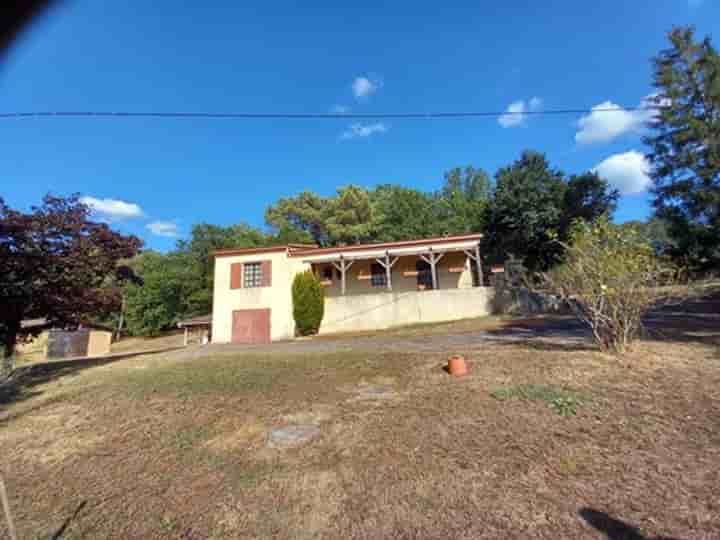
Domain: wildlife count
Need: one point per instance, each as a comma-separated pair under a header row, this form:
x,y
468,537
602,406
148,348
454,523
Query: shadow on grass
x,y
22,382
615,529
59,533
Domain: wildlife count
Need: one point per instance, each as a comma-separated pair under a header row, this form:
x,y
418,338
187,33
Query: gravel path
x,y
560,332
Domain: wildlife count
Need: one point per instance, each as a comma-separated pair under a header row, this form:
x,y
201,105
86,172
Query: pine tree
x,y
685,146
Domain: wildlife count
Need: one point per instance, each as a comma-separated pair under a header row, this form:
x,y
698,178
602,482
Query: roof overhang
x,y
399,250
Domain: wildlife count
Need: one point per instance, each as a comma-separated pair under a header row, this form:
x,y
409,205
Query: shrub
x,y
308,298
611,278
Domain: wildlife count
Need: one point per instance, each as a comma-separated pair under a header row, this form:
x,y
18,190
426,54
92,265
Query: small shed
x,y
87,339
197,329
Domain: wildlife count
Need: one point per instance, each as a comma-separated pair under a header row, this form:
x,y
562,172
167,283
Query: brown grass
x,y
177,449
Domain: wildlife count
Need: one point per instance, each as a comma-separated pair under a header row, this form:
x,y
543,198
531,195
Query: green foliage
x,y
349,217
526,210
402,213
308,298
685,146
611,277
162,299
307,212
562,401
587,197
463,200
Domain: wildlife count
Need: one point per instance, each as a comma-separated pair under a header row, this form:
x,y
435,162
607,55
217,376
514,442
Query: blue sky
x,y
156,178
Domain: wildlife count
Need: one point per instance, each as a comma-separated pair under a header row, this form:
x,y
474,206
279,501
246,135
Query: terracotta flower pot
x,y
457,365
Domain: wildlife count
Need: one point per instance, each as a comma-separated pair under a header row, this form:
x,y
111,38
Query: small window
x,y
252,275
379,276
327,273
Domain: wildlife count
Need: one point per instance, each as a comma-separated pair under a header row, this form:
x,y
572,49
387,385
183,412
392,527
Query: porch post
x,y
343,267
387,264
479,265
185,338
475,256
432,259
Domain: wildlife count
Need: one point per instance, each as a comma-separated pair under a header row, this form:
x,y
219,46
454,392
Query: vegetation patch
x,y
563,401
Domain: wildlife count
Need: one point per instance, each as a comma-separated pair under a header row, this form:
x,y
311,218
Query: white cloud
x,y
608,121
516,113
628,172
355,131
112,209
339,109
163,228
364,87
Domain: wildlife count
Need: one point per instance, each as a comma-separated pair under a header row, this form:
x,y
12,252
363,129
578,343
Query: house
x,y
50,343
367,286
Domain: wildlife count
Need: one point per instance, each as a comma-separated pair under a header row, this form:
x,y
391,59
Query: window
x,y
252,275
327,273
378,276
424,275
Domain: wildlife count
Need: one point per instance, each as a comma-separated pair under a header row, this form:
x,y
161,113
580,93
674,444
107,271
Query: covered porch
x,y
394,284
418,265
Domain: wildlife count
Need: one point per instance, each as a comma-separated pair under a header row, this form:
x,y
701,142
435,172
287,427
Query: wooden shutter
x,y
266,269
236,276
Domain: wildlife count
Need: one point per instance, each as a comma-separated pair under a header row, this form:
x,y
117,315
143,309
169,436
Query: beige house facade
x,y
371,286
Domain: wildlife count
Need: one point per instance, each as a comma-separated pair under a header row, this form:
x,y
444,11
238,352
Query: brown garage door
x,y
251,326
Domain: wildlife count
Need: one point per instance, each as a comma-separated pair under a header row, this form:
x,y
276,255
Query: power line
x,y
310,116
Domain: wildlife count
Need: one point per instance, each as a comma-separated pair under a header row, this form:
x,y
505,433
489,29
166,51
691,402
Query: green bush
x,y
611,278
308,298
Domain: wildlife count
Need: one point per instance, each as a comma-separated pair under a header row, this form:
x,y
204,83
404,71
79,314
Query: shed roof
x,y
200,320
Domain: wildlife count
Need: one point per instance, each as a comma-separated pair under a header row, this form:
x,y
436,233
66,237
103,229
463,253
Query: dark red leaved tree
x,y
56,263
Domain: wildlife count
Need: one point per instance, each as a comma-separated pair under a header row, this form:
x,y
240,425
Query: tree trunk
x,y
9,341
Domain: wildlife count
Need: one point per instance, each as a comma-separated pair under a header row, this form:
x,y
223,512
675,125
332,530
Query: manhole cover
x,y
292,435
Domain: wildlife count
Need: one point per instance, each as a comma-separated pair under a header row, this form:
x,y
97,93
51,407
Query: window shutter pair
x,y
236,274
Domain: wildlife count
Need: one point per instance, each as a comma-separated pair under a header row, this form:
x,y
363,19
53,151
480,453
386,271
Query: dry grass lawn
x,y
153,447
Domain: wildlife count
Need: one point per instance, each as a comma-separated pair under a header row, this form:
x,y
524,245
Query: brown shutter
x,y
266,268
236,276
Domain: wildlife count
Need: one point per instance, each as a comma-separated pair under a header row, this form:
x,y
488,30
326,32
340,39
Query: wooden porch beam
x,y
387,264
432,259
343,268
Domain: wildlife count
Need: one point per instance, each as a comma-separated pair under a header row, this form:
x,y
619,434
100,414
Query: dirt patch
x,y
51,436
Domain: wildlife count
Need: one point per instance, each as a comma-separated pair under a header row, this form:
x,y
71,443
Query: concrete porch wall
x,y
376,311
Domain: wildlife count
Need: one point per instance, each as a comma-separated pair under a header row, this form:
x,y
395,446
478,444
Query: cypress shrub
x,y
308,298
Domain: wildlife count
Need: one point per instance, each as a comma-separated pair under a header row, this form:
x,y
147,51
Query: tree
x,y
308,298
307,212
611,278
685,146
163,298
349,216
526,211
587,197
402,213
462,201
654,231
55,263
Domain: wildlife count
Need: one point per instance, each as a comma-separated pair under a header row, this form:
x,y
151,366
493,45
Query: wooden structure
x,y
197,329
